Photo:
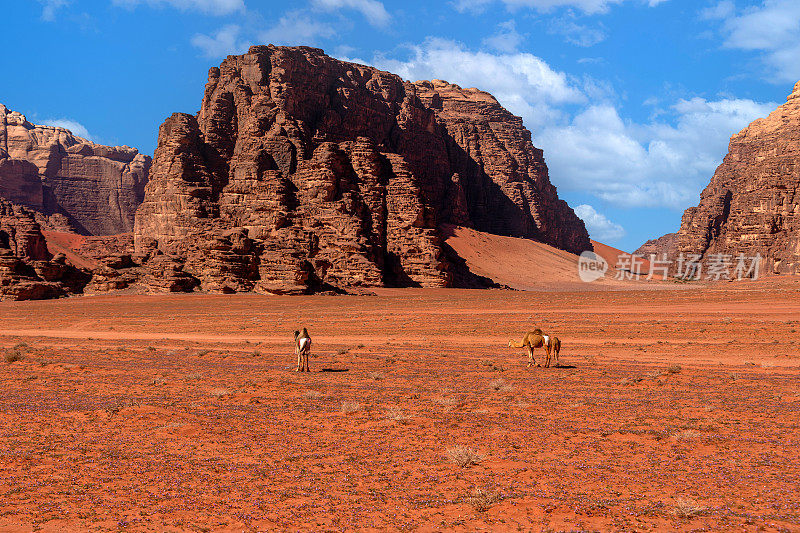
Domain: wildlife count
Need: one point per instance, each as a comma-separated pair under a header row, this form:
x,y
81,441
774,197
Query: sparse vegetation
x,y
688,434
464,456
686,508
219,392
492,366
397,414
313,395
481,500
350,407
13,356
500,385
375,376
674,369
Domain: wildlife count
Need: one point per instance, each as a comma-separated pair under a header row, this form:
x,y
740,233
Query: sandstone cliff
x,y
752,204
302,172
91,188
664,245
27,269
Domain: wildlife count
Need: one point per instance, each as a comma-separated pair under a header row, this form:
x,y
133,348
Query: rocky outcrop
x,y
665,245
27,269
752,204
505,181
91,188
302,172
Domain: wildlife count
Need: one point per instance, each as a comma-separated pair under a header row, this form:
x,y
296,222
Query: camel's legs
x,y
531,358
305,362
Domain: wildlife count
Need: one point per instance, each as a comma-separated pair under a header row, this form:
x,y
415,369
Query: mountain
x,y
752,204
74,183
302,172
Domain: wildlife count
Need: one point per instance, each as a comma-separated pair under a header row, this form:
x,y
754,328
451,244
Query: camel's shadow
x,y
334,370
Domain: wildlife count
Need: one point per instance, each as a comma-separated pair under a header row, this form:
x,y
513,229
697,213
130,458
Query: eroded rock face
x,y
752,204
504,177
27,269
95,188
302,172
665,245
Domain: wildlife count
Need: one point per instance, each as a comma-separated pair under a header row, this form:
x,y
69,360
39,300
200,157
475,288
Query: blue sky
x,y
633,101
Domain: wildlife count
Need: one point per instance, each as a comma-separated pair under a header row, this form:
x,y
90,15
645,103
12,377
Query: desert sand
x,y
673,409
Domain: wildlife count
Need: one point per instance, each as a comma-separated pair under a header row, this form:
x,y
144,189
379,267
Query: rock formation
x,y
27,269
752,205
90,188
301,172
664,245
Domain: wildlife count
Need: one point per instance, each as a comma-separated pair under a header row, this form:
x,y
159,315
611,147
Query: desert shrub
x,y
350,407
395,413
674,369
13,356
219,392
686,508
500,385
464,456
481,500
313,395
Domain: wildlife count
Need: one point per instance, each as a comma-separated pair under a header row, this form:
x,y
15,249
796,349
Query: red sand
x,y
524,264
676,410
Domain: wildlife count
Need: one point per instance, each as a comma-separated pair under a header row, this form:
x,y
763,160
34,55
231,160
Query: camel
x,y
302,347
537,339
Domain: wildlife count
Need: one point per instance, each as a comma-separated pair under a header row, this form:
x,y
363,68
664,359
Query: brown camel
x,y
537,339
302,347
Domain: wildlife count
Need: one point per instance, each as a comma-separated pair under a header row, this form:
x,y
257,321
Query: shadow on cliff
x,y
462,276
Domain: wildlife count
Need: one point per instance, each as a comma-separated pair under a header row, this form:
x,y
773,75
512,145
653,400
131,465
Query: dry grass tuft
x,y
396,414
686,508
464,456
13,356
674,369
350,407
688,434
313,394
219,392
500,385
481,500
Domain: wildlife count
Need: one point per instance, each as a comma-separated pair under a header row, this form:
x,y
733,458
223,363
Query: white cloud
x,y
653,164
574,33
211,7
771,29
72,125
507,39
372,10
225,41
587,6
664,161
296,28
600,228
524,83
50,7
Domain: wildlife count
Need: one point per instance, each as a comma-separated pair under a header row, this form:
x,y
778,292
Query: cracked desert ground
x,y
675,409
